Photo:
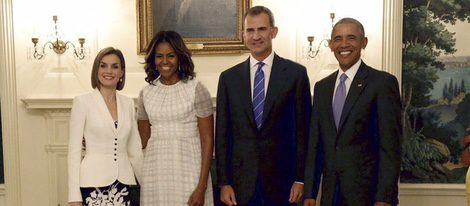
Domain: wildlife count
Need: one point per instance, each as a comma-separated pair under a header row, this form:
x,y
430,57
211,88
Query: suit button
x,y
115,143
115,160
115,154
115,139
337,148
115,149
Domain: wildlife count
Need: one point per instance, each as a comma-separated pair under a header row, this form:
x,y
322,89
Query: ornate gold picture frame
x,y
207,26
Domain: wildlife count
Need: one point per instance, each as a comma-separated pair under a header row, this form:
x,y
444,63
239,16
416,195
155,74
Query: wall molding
x,y
9,105
48,103
59,104
440,190
56,113
392,37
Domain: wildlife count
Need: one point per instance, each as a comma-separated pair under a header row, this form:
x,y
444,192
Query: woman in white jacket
x,y
104,120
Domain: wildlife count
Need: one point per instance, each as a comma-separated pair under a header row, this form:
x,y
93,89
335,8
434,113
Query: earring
x,y
179,68
120,80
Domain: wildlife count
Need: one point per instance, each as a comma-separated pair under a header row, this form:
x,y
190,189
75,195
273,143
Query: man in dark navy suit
x,y
263,114
356,129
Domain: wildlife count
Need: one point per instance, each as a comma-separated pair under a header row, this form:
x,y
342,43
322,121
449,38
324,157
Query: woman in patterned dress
x,y
104,121
175,118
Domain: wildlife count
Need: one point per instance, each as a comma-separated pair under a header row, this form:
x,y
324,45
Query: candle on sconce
x,y
332,11
332,5
34,36
332,17
34,31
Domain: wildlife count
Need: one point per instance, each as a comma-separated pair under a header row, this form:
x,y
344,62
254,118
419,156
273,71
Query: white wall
x,y
113,23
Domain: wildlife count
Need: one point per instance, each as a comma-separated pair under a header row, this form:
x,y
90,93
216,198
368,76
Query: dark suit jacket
x,y
275,153
364,154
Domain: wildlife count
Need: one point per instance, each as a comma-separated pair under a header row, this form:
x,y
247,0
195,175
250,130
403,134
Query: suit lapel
x,y
120,112
357,86
103,109
245,91
274,87
330,89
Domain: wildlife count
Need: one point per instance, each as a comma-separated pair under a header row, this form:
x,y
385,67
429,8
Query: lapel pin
x,y
359,85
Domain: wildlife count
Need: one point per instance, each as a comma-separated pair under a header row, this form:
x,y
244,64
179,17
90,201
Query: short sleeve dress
x,y
172,160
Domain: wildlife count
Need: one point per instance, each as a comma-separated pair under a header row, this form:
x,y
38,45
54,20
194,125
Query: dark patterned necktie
x,y
258,95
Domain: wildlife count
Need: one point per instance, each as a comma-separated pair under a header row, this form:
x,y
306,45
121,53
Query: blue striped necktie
x,y
258,95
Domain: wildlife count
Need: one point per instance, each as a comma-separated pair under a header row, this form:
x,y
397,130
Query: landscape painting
x,y
435,90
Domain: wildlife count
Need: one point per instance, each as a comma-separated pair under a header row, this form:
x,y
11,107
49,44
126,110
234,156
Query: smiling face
x,y
167,63
258,35
110,71
346,43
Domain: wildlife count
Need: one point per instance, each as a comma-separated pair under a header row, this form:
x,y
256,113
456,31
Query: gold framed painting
x,y
207,26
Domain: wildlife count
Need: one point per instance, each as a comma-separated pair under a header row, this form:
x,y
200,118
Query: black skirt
x,y
116,194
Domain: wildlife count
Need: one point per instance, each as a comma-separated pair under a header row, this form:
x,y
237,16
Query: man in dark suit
x,y
263,114
356,129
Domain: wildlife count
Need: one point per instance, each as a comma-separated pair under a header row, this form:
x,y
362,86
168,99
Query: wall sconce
x,y
312,50
57,45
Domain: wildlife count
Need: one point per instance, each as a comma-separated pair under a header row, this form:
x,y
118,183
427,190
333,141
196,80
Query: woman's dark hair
x,y
186,66
95,82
